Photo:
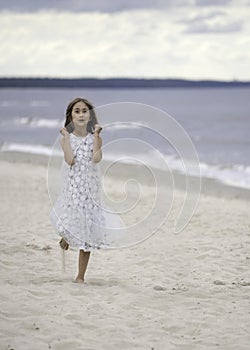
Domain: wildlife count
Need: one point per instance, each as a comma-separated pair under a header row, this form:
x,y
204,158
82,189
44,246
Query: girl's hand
x,y
64,132
98,129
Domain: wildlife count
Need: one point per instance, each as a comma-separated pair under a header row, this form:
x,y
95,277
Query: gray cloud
x,y
109,6
86,5
211,22
199,19
212,2
214,28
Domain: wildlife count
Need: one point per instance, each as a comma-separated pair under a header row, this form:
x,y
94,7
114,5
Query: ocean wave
x,y
27,148
7,103
58,122
39,103
39,122
233,175
236,175
122,125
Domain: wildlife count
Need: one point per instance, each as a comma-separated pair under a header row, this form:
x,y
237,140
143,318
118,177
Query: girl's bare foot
x,y
79,280
63,244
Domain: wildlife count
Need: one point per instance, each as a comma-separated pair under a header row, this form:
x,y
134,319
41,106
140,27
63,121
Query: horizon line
x,y
126,78
131,83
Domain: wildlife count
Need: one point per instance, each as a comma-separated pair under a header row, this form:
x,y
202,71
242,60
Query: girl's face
x,y
80,114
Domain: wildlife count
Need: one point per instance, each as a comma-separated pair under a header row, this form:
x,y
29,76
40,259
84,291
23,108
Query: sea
x,y
215,120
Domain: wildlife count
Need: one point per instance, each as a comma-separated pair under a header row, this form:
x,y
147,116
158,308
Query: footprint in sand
x,y
159,288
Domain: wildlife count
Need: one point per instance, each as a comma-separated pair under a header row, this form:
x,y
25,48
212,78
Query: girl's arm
x,y
66,146
97,147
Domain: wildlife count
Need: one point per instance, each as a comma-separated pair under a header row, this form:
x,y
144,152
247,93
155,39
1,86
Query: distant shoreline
x,y
115,83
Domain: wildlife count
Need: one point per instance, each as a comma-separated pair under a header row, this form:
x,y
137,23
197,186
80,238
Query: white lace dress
x,y
78,215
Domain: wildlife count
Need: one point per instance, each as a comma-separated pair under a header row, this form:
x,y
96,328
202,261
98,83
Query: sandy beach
x,y
187,291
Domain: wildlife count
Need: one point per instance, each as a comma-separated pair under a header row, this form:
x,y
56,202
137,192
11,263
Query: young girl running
x,y
77,215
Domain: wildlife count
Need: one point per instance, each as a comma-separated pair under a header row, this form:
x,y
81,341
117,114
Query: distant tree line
x,y
116,83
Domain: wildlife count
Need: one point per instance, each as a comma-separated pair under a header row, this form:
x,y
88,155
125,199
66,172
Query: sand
x,y
186,291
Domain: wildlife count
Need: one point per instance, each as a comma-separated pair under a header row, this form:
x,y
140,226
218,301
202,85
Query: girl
x,y
77,216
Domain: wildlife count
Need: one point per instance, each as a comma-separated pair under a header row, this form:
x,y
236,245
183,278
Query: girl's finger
x,y
63,130
98,128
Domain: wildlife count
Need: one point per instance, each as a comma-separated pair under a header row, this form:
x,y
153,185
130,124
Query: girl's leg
x,y
82,265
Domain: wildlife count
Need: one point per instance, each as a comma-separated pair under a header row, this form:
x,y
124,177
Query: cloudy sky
x,y
194,39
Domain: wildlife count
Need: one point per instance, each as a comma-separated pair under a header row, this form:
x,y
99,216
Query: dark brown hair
x,y
92,121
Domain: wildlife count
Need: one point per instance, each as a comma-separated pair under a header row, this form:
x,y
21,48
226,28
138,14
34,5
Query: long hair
x,y
92,120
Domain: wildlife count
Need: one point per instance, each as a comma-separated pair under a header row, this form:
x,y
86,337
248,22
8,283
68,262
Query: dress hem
x,y
87,249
